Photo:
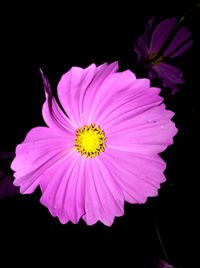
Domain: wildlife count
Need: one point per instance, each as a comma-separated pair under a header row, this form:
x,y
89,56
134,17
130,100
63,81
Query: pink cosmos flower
x,y
100,149
149,45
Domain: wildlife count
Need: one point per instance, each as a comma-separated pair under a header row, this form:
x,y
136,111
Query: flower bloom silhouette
x,y
100,149
149,45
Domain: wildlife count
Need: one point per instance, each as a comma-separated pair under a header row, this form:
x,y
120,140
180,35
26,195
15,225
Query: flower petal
x,y
142,47
180,43
161,33
182,49
63,188
152,74
169,74
162,264
77,88
150,131
103,197
116,88
52,114
138,175
40,150
125,102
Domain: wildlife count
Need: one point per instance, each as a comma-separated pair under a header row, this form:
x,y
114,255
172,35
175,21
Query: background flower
x,y
101,150
162,264
149,45
7,189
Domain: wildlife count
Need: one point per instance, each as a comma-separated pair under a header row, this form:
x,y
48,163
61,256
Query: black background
x,y
56,38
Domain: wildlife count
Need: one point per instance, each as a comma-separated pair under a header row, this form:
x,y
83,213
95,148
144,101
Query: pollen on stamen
x,y
154,60
90,141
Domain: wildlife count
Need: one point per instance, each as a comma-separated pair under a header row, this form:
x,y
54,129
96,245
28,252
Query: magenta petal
x,y
71,90
104,72
161,33
103,197
169,74
77,89
142,47
176,44
52,113
162,264
122,108
63,193
182,49
114,88
152,74
40,150
151,131
141,55
138,175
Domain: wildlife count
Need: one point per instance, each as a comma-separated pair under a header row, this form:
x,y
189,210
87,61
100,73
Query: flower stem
x,y
160,241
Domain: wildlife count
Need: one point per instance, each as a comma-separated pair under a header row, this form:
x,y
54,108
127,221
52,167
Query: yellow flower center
x,y
157,60
90,140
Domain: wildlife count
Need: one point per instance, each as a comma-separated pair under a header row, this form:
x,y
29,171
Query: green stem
x,y
161,243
